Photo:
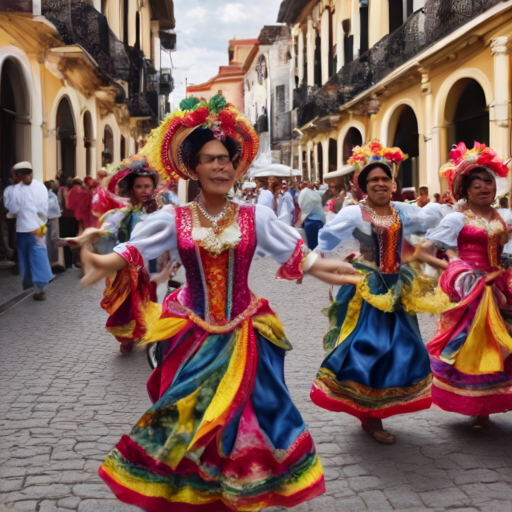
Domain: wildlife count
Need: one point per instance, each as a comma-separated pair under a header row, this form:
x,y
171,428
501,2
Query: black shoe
x,y
39,296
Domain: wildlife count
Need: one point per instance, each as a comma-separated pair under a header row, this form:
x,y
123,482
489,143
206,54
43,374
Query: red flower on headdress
x,y
458,152
375,147
227,119
196,118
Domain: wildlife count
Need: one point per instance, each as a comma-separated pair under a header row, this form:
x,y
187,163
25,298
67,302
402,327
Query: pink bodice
x,y
217,287
480,245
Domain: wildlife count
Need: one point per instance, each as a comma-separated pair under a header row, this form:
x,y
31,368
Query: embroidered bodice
x,y
385,245
217,287
378,238
480,242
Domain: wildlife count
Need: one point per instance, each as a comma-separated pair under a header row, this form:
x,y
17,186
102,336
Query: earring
x,y
194,178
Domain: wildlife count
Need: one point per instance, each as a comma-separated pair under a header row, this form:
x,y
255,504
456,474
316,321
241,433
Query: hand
x,y
334,265
493,275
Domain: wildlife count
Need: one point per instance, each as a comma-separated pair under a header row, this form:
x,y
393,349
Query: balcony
x,y
423,28
79,23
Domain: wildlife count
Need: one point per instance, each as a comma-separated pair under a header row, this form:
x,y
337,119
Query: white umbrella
x,y
277,170
347,169
295,172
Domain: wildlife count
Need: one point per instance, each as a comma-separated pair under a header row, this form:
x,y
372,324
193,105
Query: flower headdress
x,y
135,164
374,154
463,160
164,147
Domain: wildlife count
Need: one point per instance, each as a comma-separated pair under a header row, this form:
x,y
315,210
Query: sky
x,y
204,28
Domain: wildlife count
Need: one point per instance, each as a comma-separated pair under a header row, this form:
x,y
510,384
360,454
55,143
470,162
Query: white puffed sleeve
x,y
446,234
275,239
154,235
506,215
340,229
417,220
266,198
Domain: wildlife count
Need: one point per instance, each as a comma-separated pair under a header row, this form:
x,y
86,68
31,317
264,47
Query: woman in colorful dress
x,y
377,365
470,353
223,433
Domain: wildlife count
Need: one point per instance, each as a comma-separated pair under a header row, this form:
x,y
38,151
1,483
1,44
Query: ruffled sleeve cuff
x,y
294,267
127,296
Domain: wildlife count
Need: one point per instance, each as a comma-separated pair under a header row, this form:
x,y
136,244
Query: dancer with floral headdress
x,y
377,365
128,198
470,353
223,433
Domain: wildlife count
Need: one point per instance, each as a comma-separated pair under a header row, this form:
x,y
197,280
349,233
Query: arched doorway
x,y
15,132
108,146
66,138
88,141
352,139
466,114
333,155
403,133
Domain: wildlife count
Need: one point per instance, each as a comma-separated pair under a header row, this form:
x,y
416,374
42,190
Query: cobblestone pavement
x,y
67,395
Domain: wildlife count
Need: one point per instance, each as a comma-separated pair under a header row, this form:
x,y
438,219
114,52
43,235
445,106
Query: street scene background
x,y
68,395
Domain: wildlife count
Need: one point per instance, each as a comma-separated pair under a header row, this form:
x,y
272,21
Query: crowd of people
x,y
223,432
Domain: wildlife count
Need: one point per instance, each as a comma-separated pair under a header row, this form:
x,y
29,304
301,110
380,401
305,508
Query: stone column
x,y
311,53
324,51
429,144
499,112
300,63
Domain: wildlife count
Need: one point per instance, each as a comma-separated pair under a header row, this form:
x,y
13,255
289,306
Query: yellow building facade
x,y
422,75
69,99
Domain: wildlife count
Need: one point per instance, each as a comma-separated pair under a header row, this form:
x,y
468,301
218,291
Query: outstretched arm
x,y
98,266
333,271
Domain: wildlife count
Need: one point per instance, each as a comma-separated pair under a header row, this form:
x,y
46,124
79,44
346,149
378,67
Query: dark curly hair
x,y
199,138
462,184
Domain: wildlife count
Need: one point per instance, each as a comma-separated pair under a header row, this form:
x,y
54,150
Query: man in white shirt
x,y
28,200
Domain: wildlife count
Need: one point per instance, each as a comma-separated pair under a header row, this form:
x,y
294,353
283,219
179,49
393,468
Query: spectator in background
x,y
53,233
312,214
504,202
28,200
423,199
437,198
89,220
67,223
397,192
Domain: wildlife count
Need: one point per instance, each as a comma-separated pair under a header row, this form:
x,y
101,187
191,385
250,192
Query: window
x,y
396,14
280,99
363,15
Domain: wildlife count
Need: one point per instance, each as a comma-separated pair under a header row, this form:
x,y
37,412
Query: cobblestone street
x,y
67,395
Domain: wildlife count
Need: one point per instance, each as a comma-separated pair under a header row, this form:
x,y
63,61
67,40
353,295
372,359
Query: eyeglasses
x,y
210,159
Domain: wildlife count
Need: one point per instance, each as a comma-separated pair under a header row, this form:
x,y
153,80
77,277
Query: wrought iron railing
x,y
424,27
80,23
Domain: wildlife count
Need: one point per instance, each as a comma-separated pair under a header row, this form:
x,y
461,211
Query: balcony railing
x,y
80,23
423,28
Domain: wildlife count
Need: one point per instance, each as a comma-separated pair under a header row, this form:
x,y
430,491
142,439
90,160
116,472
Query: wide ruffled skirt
x,y
223,433
378,365
470,353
